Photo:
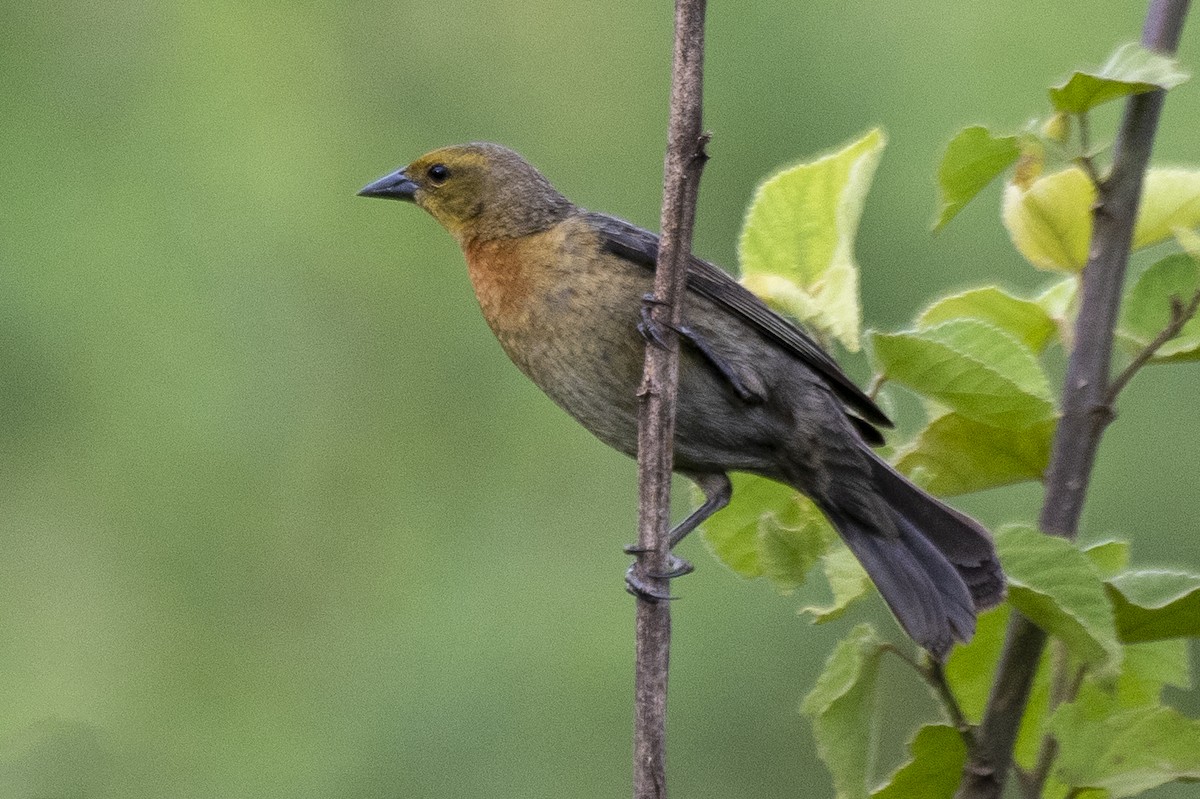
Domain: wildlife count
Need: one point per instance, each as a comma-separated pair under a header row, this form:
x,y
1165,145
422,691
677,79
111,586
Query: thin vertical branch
x,y
1086,412
656,429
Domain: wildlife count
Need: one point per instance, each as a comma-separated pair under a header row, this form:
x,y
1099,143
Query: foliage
x,y
978,361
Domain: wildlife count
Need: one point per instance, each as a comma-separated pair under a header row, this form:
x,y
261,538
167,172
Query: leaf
x,y
1050,222
848,581
797,244
1059,303
934,769
971,666
1124,752
971,367
973,159
1149,667
1132,69
1109,557
1056,587
1170,201
789,552
1024,319
957,455
1147,308
1189,240
841,706
768,530
1058,300
1151,605
733,534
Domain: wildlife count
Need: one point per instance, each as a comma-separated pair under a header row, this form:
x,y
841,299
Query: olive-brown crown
x,y
482,192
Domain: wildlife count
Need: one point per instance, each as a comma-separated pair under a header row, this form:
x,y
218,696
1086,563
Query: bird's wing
x,y
640,246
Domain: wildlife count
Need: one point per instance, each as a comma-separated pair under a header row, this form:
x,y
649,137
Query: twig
x,y
1062,692
656,424
935,677
1084,408
1180,315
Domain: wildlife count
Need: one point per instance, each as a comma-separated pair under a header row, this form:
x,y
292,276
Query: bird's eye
x,y
438,174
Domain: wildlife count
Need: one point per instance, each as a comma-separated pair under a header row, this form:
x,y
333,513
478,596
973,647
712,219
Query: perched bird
x,y
564,289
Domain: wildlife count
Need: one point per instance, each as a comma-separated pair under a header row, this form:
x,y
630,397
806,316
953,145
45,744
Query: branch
x,y
656,424
1084,408
1180,315
935,677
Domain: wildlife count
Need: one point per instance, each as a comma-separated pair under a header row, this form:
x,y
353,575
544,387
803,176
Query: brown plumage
x,y
563,288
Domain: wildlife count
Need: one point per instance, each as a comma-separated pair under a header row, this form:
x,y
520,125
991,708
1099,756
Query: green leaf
x,y
1149,667
768,530
733,534
973,159
1151,605
1147,308
841,706
1109,557
971,666
1050,222
797,244
971,367
789,552
1124,752
1132,70
847,583
934,769
1170,202
957,455
1024,319
1057,587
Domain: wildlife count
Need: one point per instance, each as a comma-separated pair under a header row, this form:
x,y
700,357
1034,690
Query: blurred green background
x,y
278,517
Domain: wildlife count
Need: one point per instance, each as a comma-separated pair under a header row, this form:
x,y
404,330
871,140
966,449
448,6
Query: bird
x,y
565,292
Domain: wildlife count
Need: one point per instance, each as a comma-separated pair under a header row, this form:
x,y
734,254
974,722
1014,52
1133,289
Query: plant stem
x,y
935,677
1180,315
1085,411
656,424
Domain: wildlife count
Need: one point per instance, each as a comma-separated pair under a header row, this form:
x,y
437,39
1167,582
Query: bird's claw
x,y
650,328
637,585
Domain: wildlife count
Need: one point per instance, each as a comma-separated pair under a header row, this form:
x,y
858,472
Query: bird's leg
x,y
717,493
649,327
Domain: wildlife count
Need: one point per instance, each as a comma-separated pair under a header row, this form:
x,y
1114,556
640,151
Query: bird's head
x,y
478,192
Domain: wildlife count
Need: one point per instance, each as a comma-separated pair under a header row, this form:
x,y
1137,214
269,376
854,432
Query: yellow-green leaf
x,y
1170,201
797,245
1025,319
1050,223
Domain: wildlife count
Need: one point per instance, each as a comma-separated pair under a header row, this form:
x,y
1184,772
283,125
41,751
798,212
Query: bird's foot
x,y
637,584
650,328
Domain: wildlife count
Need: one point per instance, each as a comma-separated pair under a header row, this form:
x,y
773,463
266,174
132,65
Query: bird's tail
x,y
936,572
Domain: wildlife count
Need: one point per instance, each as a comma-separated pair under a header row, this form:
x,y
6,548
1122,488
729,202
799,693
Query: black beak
x,y
395,186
